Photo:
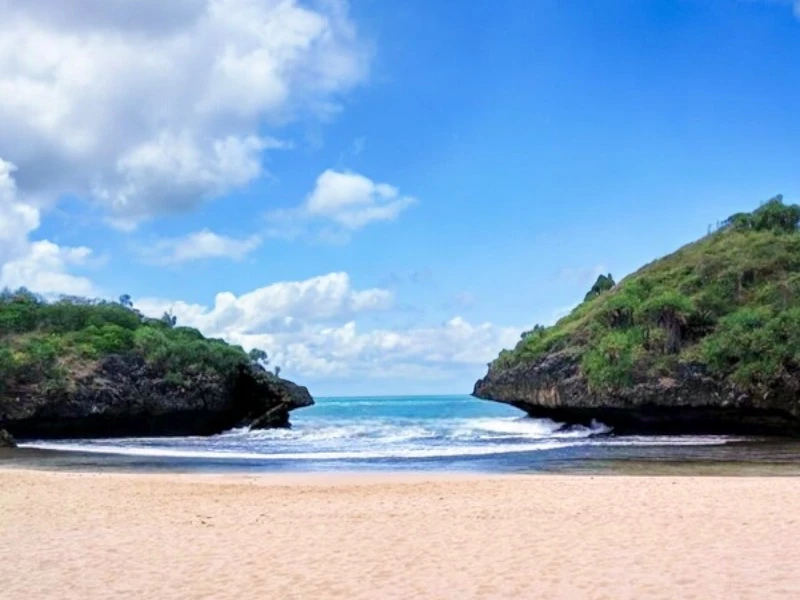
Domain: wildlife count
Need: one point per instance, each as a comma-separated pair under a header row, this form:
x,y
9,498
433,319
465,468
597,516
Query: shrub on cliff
x,y
603,284
773,216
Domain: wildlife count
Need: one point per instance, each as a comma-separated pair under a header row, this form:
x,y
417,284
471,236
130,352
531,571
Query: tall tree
x,y
169,319
603,284
258,357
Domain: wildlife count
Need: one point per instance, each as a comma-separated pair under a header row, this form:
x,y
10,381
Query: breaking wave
x,y
391,430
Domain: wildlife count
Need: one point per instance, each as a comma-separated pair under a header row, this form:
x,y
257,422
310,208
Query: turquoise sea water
x,y
450,433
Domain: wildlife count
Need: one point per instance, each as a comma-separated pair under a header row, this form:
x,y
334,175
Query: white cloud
x,y
309,328
44,269
197,246
346,352
40,265
152,107
352,200
341,202
279,305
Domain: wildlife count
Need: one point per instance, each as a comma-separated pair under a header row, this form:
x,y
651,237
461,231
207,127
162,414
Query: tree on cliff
x,y
537,330
603,284
169,319
258,357
773,216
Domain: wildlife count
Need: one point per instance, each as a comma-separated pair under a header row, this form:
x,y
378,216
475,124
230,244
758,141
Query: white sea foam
x,y
377,434
514,426
523,427
453,451
378,430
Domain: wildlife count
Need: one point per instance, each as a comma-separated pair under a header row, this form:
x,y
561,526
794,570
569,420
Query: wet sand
x,y
172,536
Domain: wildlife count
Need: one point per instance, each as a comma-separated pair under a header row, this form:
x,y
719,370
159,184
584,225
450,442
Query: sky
x,y
381,195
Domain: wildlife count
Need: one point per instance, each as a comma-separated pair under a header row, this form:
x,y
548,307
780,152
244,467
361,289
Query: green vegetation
x,y
729,302
42,342
258,357
603,284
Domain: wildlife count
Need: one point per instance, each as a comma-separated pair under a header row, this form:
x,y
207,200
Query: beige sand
x,y
98,536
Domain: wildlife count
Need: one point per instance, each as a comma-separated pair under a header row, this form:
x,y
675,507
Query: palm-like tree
x,y
670,311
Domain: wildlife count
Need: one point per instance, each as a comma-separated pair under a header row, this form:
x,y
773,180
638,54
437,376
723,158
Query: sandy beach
x,y
92,535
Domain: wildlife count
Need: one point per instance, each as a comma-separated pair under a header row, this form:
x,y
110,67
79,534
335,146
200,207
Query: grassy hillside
x,y
45,343
728,303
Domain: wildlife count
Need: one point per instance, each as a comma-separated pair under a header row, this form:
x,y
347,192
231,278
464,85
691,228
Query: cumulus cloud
x,y
346,352
277,305
341,202
197,246
39,265
352,200
152,107
309,328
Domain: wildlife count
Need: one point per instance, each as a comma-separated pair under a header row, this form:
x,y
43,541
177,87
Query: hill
x,y
706,339
87,368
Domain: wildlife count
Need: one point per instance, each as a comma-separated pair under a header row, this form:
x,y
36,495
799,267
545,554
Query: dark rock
x,y
276,417
123,396
692,402
7,440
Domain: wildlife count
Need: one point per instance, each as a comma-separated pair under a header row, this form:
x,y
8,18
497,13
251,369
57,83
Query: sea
x,y
421,433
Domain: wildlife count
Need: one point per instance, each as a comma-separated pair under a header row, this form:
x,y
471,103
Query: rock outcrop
x,y
122,396
7,440
690,402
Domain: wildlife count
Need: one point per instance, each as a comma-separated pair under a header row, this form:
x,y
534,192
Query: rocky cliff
x,y
689,401
78,367
705,340
121,395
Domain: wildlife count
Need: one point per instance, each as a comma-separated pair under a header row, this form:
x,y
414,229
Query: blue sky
x,y
381,195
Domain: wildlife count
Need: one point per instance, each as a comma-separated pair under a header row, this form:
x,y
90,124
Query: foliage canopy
x,y
41,341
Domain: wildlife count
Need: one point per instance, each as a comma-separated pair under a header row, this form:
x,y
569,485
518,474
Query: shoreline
x,y
392,536
760,460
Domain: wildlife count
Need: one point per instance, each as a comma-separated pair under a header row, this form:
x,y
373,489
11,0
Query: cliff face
x,y
704,340
690,402
121,395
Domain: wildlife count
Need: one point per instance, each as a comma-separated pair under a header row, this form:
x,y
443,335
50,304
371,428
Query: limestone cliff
x,y
123,396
